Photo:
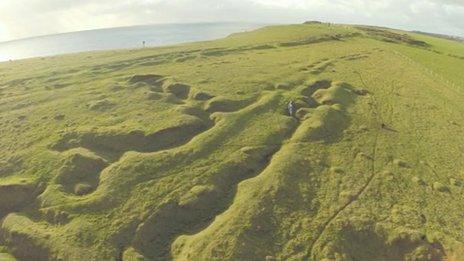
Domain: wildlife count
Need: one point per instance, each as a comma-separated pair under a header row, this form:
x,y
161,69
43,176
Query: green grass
x,y
187,152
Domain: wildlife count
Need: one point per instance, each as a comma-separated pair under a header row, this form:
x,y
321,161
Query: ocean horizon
x,y
119,38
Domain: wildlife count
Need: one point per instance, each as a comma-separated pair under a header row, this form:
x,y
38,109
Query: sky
x,y
28,18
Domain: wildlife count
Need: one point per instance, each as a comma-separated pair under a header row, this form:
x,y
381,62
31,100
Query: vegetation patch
x,y
315,86
201,96
179,90
120,142
355,243
10,165
13,197
79,173
192,152
23,245
101,105
199,205
151,79
222,104
324,123
390,36
440,187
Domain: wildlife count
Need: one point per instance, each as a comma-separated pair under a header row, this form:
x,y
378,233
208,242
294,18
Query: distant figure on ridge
x,y
291,108
143,43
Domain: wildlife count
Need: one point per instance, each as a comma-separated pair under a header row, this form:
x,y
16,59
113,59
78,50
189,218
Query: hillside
x,y
188,153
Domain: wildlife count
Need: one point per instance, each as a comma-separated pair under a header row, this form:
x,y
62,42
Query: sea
x,y
119,38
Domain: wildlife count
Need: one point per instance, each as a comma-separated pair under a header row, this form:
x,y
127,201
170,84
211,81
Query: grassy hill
x,y
188,153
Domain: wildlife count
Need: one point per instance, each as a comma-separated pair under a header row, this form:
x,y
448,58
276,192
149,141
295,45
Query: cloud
x,y
25,18
3,32
450,2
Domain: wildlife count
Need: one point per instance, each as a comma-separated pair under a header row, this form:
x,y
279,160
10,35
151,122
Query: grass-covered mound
x,y
188,152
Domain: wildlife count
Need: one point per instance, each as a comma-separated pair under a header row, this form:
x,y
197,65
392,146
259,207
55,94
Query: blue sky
x,y
26,18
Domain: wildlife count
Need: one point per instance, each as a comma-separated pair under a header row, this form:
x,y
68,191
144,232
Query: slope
x,y
187,152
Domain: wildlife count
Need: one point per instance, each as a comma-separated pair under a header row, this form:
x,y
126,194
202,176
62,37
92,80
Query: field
x,y
187,152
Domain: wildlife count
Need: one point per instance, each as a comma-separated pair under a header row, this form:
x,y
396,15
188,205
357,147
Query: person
x,y
291,108
143,43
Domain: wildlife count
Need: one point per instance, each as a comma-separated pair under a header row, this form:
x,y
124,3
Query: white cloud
x,y
3,32
24,18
